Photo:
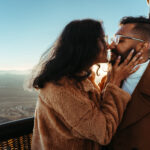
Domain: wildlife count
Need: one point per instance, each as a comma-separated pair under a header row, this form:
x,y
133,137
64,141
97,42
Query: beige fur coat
x,y
74,116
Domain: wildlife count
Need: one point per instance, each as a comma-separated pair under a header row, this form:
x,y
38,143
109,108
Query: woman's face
x,y
102,57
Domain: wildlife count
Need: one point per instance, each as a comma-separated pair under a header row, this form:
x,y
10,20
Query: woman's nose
x,y
112,45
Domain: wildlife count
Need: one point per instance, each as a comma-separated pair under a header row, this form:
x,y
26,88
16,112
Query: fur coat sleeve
x,y
86,113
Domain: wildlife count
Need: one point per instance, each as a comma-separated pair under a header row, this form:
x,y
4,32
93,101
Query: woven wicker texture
x,y
18,143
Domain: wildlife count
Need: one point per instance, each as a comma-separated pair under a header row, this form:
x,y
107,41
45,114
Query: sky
x,y
30,27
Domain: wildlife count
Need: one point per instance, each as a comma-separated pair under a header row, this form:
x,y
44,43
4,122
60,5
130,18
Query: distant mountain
x,y
15,71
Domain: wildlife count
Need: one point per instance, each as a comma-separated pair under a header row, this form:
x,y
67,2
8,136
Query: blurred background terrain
x,y
15,102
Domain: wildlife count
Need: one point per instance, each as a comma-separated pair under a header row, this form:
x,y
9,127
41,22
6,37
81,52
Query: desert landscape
x,y
15,102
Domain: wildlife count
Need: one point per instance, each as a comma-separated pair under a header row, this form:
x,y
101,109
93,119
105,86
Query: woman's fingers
x,y
120,72
126,61
136,59
117,61
135,69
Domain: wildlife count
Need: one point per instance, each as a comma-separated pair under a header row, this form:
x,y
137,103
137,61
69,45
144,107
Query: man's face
x,y
125,45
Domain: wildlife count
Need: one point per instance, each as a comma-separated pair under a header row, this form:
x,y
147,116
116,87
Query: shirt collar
x,y
140,71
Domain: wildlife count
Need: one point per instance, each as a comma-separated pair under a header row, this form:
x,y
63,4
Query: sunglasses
x,y
117,37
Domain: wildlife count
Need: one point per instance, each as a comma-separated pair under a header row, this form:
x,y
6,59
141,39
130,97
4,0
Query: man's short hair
x,y
142,25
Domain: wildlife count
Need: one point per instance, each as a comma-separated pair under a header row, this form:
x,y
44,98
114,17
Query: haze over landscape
x,y
15,102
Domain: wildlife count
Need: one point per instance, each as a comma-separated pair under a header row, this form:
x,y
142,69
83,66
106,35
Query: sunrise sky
x,y
29,27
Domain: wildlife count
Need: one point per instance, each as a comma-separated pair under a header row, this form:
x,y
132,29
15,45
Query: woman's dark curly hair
x,y
74,51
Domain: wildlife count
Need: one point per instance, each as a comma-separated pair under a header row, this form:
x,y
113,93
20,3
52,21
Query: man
x,y
134,131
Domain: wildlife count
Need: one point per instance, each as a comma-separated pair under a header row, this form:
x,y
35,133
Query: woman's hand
x,y
122,71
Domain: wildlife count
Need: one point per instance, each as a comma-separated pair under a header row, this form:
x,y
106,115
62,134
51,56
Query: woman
x,y
71,113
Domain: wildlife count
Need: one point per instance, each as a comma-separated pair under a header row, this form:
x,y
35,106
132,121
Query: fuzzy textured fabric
x,y
75,116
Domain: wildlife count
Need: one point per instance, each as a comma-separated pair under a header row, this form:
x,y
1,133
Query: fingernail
x,y
132,50
119,57
141,58
139,53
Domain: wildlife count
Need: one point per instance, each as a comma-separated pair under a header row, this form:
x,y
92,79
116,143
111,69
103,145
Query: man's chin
x,y
113,60
115,54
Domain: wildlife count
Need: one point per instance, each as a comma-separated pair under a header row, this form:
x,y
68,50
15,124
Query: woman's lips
x,y
113,56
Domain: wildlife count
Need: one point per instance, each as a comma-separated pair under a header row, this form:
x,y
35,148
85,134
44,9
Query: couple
x,y
72,112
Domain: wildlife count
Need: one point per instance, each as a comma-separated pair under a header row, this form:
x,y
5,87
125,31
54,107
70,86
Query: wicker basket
x,y
16,135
